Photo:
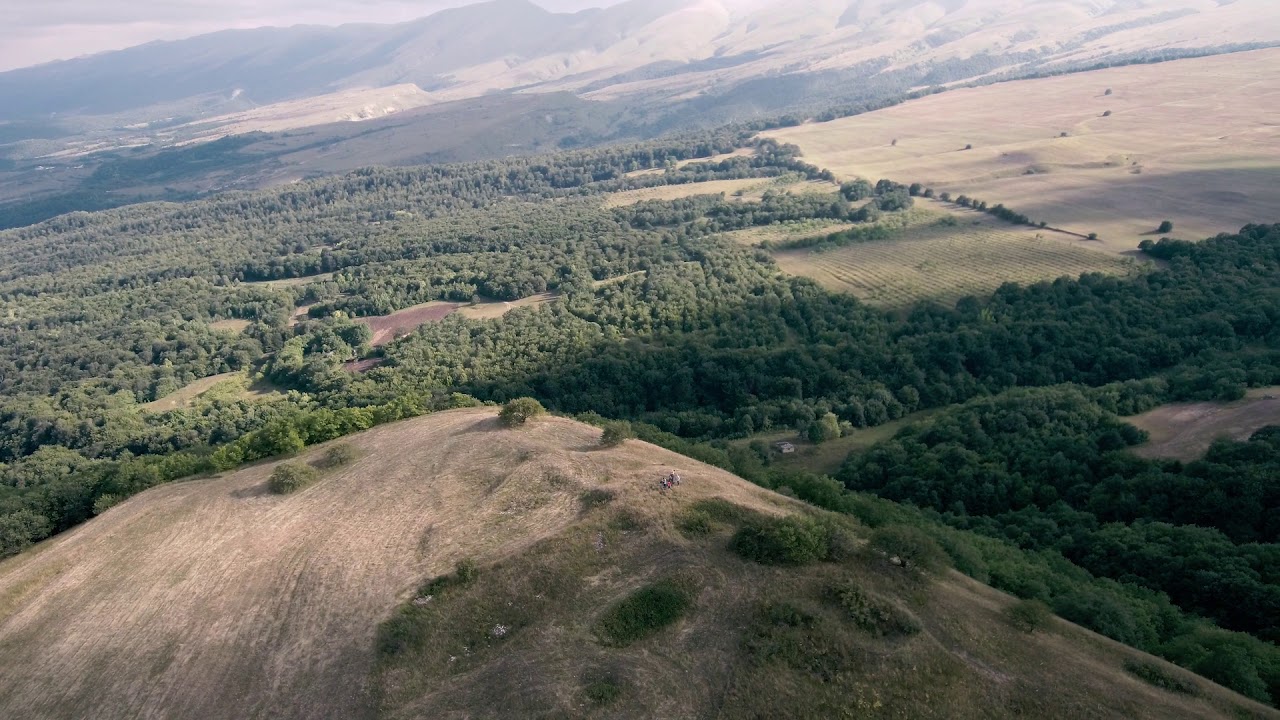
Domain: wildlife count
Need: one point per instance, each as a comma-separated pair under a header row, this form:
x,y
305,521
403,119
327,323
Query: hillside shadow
x,y
248,493
1228,199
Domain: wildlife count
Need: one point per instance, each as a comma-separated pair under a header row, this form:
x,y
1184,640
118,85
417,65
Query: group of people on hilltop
x,y
671,480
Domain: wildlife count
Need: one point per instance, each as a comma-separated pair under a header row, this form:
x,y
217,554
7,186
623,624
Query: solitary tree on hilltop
x,y
1165,226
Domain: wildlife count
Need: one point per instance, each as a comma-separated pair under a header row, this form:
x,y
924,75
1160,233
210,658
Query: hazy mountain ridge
x,y
509,44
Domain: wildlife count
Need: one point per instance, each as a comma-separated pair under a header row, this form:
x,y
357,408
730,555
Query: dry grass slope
x,y
215,599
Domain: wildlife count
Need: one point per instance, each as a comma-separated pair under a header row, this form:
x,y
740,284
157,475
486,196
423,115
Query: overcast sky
x,y
36,31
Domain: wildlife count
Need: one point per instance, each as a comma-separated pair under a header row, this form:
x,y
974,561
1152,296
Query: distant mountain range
x,y
637,48
635,69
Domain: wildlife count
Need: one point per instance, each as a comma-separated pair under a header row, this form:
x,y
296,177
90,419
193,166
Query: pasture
x,y
944,254
1184,431
1193,141
742,190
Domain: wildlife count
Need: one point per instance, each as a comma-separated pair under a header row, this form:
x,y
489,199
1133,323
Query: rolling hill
x,y
582,590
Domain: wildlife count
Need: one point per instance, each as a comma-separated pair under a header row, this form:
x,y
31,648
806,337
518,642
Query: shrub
x,y
615,433
336,456
872,615
596,497
782,541
290,477
645,612
603,689
520,411
909,547
696,522
1155,675
1093,236
1106,114
1029,615
1165,226
106,502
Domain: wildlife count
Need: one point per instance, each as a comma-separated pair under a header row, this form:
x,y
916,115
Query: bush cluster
x,y
792,540
872,615
520,411
290,478
645,612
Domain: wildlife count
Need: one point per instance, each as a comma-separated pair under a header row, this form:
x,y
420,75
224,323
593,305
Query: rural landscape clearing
x,y
1112,152
595,359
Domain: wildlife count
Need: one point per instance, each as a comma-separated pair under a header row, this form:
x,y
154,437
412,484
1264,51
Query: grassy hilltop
x,y
455,568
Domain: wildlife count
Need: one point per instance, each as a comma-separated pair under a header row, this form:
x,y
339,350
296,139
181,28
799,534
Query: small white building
x,y
785,448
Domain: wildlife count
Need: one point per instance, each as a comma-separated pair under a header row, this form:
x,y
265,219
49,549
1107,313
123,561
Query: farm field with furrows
x,y
1112,152
943,260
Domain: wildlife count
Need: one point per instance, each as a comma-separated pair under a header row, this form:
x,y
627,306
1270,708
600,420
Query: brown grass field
x,y
214,599
928,260
1184,431
1194,141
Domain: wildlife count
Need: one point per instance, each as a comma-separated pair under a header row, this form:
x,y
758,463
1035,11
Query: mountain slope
x,y
212,598
639,47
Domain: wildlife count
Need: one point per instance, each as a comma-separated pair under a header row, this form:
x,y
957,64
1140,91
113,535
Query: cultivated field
x,y
1184,431
942,260
1193,141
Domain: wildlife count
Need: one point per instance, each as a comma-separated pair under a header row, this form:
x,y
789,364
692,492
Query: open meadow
x,y
1184,431
944,253
1112,152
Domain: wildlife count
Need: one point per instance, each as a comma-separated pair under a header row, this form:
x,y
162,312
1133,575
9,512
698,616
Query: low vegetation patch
x,y
520,411
783,541
1029,615
696,523
910,548
290,478
602,689
1153,674
870,614
596,497
788,635
645,612
336,457
410,627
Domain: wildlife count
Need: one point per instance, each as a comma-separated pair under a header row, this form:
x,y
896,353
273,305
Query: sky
x,y
37,31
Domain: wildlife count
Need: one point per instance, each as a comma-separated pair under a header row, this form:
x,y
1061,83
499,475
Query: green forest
x,y
1024,476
